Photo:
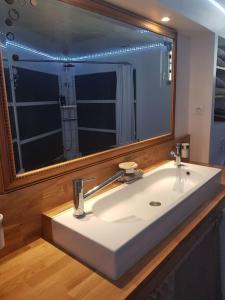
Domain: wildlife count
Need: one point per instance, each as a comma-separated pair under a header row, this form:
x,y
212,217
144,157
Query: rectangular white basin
x,y
128,221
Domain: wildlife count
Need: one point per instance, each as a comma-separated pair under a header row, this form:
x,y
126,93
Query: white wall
x,y
195,88
182,86
201,90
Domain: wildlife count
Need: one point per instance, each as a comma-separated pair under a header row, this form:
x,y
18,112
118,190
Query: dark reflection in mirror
x,y
14,14
9,1
79,83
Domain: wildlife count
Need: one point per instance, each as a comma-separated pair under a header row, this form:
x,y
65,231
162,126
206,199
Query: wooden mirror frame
x,y
9,180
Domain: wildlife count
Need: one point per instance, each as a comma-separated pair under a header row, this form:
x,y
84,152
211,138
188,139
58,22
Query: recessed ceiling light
x,y
165,19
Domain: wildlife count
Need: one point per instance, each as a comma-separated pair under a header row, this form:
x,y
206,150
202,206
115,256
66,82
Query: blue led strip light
x,y
85,57
33,51
217,5
117,52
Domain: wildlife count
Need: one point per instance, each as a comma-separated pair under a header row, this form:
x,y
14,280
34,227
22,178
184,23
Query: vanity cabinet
x,y
192,273
198,275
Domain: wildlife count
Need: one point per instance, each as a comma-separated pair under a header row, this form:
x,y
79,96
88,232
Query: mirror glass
x,y
79,83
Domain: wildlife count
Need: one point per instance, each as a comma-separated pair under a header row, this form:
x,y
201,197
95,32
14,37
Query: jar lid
x,y
128,165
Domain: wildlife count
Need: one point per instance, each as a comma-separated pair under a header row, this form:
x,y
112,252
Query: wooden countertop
x,y
42,271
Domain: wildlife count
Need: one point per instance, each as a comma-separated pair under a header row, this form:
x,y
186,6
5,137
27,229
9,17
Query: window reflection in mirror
x,y
79,83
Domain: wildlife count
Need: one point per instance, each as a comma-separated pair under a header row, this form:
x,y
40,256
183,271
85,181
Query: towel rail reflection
x,y
69,64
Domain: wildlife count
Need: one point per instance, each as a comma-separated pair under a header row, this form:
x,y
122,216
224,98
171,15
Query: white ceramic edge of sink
x,y
144,223
90,202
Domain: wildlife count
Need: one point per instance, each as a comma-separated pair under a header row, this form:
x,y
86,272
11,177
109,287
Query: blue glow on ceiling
x,y
109,53
118,51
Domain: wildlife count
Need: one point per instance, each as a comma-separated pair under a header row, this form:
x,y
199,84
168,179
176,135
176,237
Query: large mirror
x,y
79,82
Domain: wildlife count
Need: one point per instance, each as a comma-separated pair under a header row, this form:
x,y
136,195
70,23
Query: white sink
x,y
125,223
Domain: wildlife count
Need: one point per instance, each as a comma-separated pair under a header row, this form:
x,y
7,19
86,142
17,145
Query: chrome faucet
x,y
177,155
80,195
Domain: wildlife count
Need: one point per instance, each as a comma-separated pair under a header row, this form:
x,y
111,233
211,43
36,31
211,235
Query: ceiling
x,y
61,29
156,9
189,17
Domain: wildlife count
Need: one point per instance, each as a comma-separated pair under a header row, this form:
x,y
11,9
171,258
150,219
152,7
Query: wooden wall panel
x,y
1,179
22,209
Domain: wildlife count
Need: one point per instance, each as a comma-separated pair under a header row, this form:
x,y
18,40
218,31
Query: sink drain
x,y
155,203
